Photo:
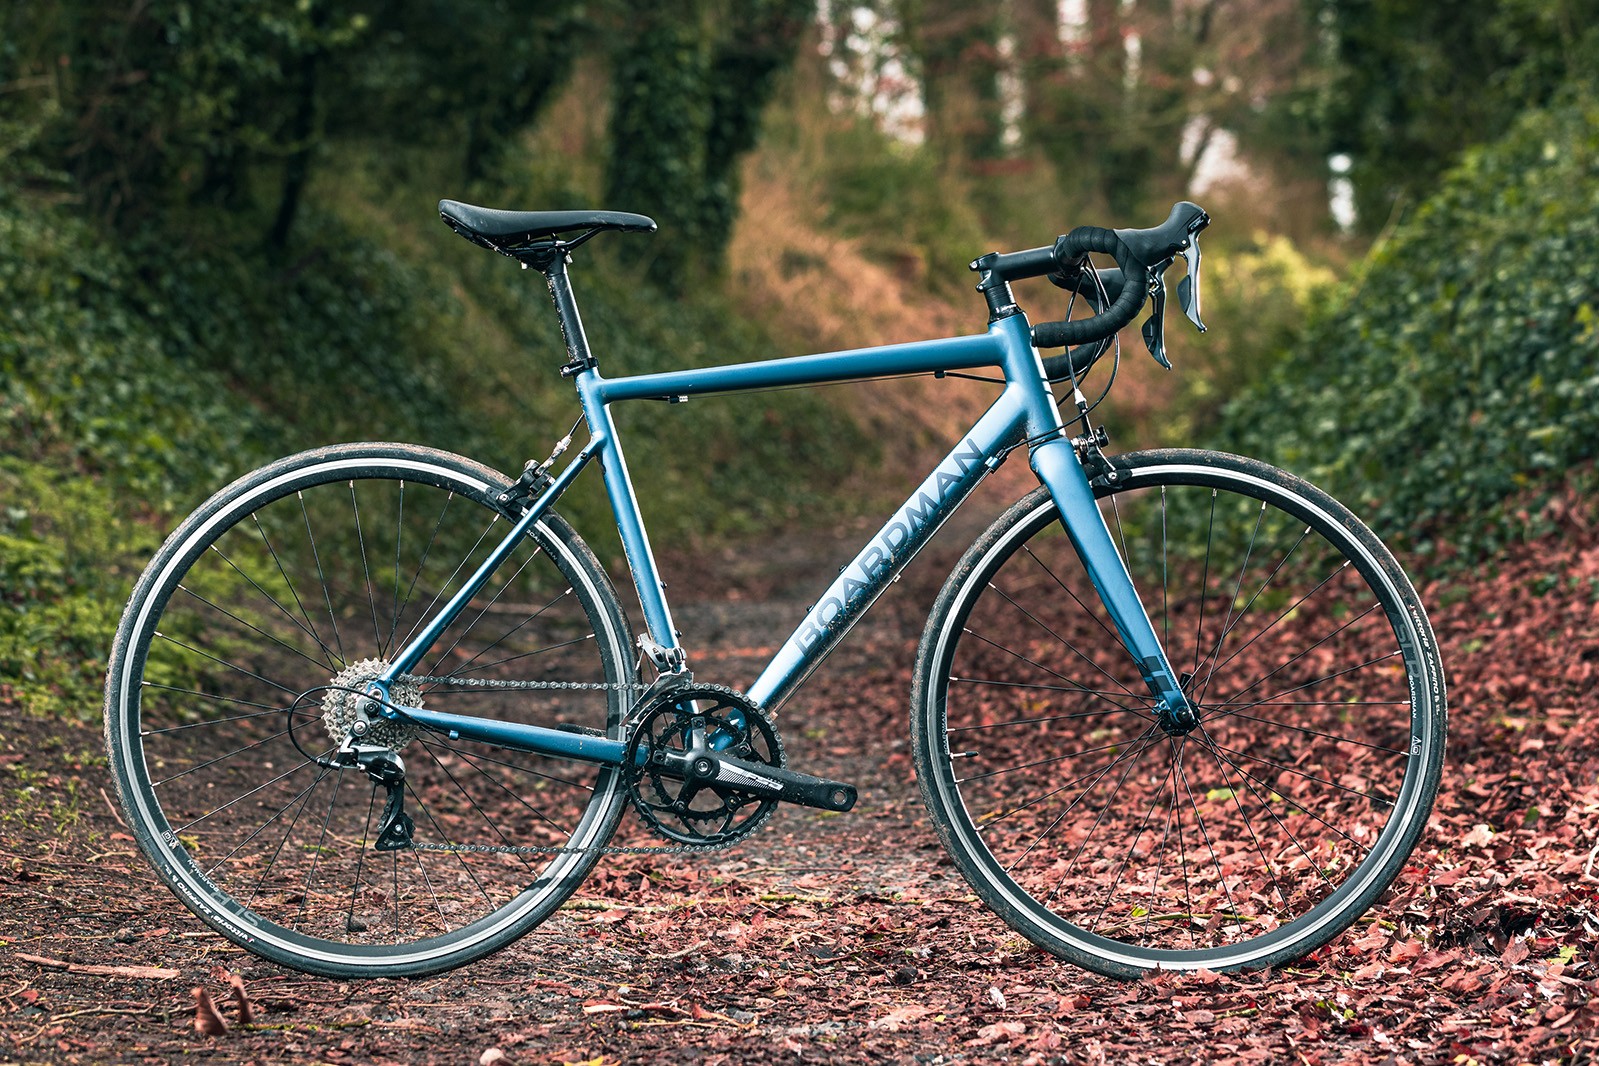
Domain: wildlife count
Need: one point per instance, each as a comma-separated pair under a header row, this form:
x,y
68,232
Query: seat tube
x,y
1058,469
629,523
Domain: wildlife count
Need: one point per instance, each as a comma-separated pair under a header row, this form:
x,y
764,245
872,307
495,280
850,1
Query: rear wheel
x,y
1126,841
230,687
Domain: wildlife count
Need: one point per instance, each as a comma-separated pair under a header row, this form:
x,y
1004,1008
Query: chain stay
x,y
535,849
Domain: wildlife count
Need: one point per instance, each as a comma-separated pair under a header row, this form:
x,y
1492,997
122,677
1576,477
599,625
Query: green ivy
x,y
1459,379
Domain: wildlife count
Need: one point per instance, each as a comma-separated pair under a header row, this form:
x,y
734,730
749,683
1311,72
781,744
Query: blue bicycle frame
x,y
1025,412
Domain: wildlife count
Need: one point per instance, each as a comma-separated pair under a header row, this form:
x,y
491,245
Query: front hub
x,y
1177,721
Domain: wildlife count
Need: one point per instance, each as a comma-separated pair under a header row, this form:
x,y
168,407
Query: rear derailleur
x,y
384,767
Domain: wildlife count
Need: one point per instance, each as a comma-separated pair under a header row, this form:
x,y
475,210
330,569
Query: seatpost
x,y
552,263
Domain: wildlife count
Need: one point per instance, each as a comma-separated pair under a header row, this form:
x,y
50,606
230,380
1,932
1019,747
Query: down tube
x,y
885,555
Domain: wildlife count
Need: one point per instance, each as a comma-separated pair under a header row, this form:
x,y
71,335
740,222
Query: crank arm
x,y
760,779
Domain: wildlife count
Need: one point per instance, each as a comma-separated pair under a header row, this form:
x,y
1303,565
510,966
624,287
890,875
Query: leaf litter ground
x,y
851,938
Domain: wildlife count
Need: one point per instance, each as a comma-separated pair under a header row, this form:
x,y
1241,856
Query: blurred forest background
x,y
218,243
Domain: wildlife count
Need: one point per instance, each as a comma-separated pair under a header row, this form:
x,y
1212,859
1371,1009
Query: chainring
x,y
703,718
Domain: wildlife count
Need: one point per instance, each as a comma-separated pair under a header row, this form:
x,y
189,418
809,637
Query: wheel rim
x,y
315,577
1257,833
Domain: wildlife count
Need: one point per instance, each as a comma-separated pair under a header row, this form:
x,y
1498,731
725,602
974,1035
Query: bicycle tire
x,y
307,571
1246,841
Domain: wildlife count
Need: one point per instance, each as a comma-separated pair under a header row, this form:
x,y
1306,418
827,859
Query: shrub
x,y
1461,371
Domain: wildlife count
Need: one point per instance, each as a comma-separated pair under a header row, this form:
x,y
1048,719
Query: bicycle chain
x,y
550,849
489,682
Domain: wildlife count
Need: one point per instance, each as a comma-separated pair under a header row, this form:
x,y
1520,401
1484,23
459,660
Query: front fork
x,y
1058,468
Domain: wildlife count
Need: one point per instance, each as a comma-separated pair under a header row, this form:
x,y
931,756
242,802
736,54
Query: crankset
x,y
705,766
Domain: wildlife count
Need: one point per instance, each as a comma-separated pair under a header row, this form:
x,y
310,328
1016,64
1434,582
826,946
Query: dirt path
x,y
851,938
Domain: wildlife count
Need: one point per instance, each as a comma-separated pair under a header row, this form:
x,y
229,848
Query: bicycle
x,y
1173,709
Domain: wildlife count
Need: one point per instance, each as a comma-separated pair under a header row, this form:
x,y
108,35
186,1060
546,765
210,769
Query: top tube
x,y
917,357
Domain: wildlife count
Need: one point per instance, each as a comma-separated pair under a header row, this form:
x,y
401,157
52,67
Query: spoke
x,y
1182,850
1204,584
1121,535
304,627
217,721
320,665
426,552
1215,655
423,807
1306,651
1165,835
1199,823
263,826
1153,738
1227,623
1046,761
1110,891
512,632
483,614
1053,673
505,587
366,570
399,533
1309,684
246,795
217,696
514,658
1068,644
1273,790
1250,825
450,580
360,855
1367,796
1096,772
1294,607
1165,580
1028,721
219,758
1244,777
1075,598
322,577
444,921
316,855
224,662
1049,688
473,801
1312,732
480,757
287,832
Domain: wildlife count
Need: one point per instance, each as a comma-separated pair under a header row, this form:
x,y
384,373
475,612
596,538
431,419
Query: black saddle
x,y
509,231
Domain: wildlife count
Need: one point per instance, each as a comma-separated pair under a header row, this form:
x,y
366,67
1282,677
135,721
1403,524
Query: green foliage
x,y
902,203
1418,81
156,107
660,115
1258,295
689,84
86,382
1459,374
66,563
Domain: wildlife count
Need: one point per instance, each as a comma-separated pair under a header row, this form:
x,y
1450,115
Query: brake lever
x,y
1188,288
1154,330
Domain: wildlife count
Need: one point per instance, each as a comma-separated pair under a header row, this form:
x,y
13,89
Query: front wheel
x,y
1125,841
232,682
